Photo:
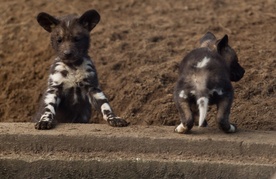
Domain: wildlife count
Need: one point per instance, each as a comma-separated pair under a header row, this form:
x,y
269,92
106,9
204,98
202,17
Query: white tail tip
x,y
203,107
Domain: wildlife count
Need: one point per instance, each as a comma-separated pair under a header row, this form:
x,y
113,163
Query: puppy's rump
x,y
205,76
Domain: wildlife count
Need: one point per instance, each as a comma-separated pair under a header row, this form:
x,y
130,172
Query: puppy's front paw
x,y
117,122
44,125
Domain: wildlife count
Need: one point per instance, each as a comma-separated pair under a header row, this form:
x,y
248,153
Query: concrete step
x,y
101,151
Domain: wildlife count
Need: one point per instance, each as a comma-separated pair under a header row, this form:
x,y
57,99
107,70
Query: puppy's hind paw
x,y
233,129
117,122
44,125
181,129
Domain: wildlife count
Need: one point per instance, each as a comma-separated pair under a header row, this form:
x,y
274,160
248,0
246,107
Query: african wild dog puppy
x,y
73,83
205,79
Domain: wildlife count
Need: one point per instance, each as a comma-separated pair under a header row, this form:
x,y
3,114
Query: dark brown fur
x,y
205,77
73,82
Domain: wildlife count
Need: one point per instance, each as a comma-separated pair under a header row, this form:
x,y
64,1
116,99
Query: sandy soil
x,y
137,47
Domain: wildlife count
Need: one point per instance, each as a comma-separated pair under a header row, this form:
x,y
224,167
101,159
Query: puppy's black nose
x,y
67,53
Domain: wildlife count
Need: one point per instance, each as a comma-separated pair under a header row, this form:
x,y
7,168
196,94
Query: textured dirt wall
x,y
137,47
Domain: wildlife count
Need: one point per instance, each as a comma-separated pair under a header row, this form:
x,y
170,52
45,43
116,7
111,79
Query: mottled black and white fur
x,y
73,83
205,77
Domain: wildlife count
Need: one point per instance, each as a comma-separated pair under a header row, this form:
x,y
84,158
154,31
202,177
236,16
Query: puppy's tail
x,y
202,103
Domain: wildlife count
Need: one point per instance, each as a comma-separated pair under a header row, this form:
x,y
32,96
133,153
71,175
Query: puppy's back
x,y
205,64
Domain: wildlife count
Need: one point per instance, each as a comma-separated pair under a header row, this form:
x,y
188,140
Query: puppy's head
x,y
70,34
222,47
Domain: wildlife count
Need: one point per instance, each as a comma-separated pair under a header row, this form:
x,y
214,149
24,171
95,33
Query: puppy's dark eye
x,y
59,40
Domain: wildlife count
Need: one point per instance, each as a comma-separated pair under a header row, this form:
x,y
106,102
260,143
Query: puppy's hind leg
x,y
186,116
224,106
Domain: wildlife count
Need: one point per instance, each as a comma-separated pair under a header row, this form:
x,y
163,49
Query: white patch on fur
x,y
203,62
232,128
84,94
51,108
193,92
58,101
105,106
76,76
57,78
50,98
199,81
182,94
99,95
203,107
68,24
44,117
87,64
59,63
60,67
75,96
218,91
205,43
180,128
89,98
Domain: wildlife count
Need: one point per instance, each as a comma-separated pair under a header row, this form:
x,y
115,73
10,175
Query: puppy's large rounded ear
x,y
207,39
47,21
89,19
222,43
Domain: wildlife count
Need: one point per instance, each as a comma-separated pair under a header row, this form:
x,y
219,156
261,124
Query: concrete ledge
x,y
136,139
17,168
134,152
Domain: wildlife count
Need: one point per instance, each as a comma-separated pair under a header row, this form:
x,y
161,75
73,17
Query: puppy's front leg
x,y
49,105
103,106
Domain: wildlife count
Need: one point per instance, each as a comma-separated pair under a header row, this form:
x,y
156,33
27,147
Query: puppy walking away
x,y
204,79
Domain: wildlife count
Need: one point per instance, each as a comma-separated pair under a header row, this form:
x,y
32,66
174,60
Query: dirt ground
x,y
137,47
